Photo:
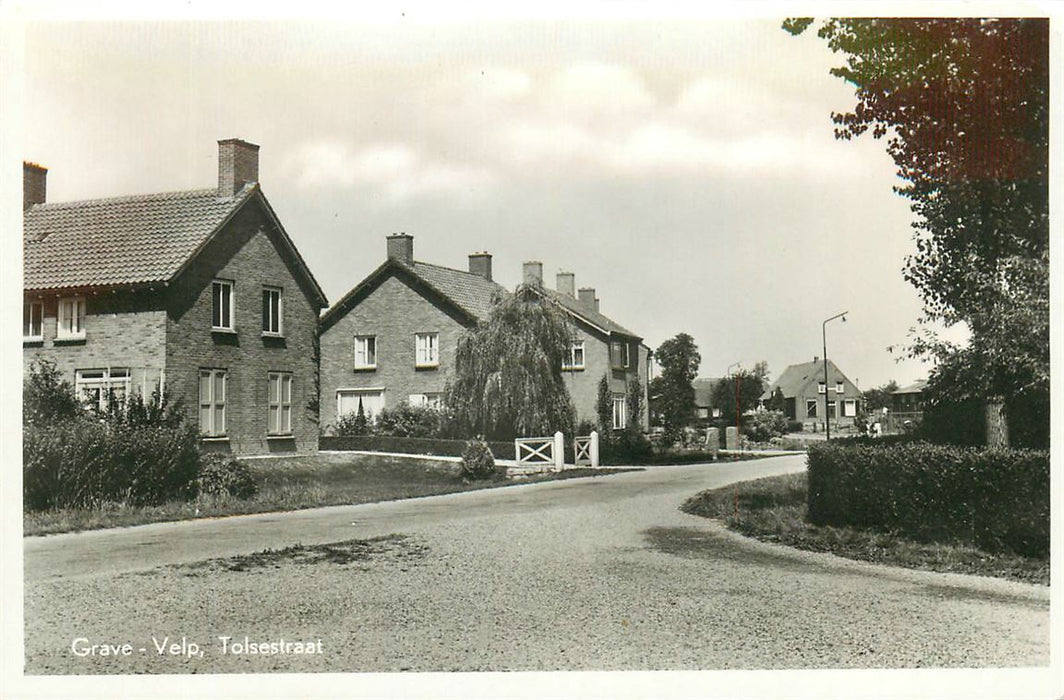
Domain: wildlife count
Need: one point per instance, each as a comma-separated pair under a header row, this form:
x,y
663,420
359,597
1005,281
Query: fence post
x,y
517,452
559,451
594,449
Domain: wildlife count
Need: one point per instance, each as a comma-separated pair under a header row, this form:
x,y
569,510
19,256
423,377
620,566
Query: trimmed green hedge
x,y
408,445
994,499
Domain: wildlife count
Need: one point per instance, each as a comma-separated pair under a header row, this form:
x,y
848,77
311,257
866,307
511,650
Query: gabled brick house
x,y
392,338
202,293
601,347
805,393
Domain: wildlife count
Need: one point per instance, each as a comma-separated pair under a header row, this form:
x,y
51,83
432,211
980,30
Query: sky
x,y
684,168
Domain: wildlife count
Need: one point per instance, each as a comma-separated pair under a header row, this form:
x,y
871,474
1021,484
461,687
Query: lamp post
x,y
824,334
738,439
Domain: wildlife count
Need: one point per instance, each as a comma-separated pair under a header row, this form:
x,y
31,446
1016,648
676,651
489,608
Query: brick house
x,y
804,394
202,293
601,347
706,408
392,338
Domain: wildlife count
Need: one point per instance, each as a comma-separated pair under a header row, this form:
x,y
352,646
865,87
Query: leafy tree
x,y
777,402
508,370
878,398
965,104
604,407
654,390
750,388
635,406
679,360
46,396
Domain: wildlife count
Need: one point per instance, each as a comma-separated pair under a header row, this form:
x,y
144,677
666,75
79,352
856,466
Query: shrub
x,y
221,475
408,421
994,499
477,460
795,426
761,426
46,397
353,423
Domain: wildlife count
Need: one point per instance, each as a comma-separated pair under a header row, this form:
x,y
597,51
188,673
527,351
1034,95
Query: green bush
x,y
762,426
994,499
408,421
477,460
46,397
795,426
221,475
351,424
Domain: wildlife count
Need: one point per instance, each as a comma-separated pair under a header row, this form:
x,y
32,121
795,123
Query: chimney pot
x,y
480,264
401,248
238,165
34,184
566,283
533,273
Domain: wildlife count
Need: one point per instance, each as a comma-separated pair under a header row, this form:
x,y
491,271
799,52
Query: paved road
x,y
601,573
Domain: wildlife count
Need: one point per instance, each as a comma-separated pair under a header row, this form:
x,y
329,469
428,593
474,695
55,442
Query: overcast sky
x,y
686,170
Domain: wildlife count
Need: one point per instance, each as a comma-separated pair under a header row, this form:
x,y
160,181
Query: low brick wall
x,y
407,445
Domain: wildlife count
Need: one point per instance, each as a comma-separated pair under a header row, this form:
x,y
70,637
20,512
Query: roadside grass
x,y
773,509
295,483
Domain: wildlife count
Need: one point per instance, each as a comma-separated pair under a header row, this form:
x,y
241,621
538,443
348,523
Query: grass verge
x,y
773,510
295,483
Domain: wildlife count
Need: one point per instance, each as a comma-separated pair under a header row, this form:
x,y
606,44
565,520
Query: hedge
x,y
409,445
995,499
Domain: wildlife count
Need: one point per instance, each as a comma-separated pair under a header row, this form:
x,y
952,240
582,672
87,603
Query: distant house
x,y
908,399
705,407
805,393
201,293
601,347
392,338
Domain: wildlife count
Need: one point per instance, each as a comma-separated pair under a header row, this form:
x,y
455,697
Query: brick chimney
x,y
533,272
480,264
565,283
401,248
34,184
238,164
588,299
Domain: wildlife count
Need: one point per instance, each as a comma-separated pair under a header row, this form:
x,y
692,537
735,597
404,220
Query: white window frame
x,y
360,391
71,313
427,350
366,362
570,360
821,388
833,409
849,408
619,356
620,412
840,387
815,405
279,403
31,308
221,325
716,413
432,399
268,292
102,381
217,408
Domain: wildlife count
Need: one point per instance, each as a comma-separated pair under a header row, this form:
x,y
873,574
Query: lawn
x,y
294,483
773,510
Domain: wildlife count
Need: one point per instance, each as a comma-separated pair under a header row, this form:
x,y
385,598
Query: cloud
x,y
498,84
597,90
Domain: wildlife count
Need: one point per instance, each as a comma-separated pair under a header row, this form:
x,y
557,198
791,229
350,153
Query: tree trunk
x,y
997,429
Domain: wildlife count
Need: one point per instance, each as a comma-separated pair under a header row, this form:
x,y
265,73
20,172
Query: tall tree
x,y
879,397
679,360
964,103
508,370
750,386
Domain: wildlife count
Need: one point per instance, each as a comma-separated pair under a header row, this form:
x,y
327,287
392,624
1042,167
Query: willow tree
x,y
508,370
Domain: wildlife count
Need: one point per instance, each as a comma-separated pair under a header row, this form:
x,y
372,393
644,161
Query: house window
x,y
619,354
427,346
716,413
703,412
833,409
620,412
271,311
365,352
348,401
811,408
849,408
97,388
840,388
33,320
71,319
279,418
432,400
213,393
575,358
222,305
821,388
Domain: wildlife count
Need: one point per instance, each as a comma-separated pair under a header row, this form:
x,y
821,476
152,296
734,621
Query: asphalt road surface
x,y
589,574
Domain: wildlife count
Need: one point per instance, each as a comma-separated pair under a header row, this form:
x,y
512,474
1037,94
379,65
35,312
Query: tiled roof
x,y
119,241
914,388
471,292
795,377
704,390
576,307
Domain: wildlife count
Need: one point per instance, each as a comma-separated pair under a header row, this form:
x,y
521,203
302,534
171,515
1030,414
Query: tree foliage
x,y
750,387
964,105
508,378
679,360
878,398
604,407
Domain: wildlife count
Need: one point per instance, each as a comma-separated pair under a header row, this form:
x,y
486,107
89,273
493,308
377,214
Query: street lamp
x,y
824,333
738,438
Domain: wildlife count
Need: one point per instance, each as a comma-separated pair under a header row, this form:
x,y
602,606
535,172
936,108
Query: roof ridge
x,y
99,201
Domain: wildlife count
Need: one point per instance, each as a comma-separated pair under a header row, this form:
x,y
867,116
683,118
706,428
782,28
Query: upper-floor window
x,y
427,347
821,388
620,412
272,311
222,305
575,358
71,318
33,320
619,354
365,351
98,388
840,388
279,417
213,394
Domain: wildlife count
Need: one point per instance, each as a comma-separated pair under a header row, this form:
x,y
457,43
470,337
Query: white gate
x,y
586,450
544,452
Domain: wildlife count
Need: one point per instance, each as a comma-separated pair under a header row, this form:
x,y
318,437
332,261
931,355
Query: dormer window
x,y
222,305
33,320
619,354
71,319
